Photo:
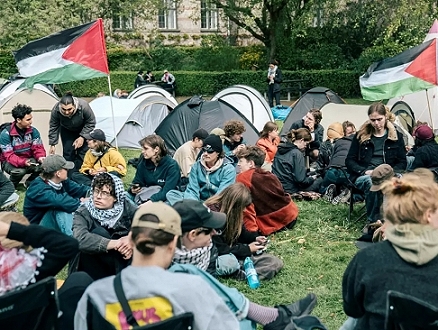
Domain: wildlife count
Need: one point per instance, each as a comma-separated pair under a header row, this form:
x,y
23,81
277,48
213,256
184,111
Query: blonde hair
x,y
8,217
409,198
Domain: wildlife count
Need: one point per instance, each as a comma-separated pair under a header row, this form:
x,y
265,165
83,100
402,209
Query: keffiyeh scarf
x,y
199,257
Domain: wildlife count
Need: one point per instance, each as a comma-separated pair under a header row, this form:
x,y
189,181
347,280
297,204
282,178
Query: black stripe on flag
x,y
52,42
405,57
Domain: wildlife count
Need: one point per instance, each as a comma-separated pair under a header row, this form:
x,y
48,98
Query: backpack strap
x,y
123,302
100,157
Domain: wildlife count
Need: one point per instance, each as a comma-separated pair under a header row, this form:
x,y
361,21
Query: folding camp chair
x,y
404,312
32,308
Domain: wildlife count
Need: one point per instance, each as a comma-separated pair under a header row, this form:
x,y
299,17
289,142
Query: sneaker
x,y
330,192
344,195
303,306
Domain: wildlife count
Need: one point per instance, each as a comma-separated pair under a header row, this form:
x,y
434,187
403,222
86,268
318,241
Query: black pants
x,y
69,295
272,95
17,173
69,152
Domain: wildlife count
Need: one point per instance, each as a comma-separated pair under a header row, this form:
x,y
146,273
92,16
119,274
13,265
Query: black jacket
x,y
340,151
426,155
240,249
361,153
290,168
319,133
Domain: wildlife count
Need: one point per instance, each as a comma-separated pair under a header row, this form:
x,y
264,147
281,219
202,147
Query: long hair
x,y
382,110
409,197
153,141
268,128
233,200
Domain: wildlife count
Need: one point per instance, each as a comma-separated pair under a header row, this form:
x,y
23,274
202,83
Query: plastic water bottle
x,y
251,274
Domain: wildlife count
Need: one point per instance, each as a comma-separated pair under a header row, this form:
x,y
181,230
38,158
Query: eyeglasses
x,y
208,149
102,193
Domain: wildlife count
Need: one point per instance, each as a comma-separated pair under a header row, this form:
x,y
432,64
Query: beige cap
x,y
169,219
379,175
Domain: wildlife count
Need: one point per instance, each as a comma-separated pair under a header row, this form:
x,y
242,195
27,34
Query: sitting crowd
x,y
198,215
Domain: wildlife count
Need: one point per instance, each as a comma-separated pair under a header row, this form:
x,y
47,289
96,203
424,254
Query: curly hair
x,y
20,111
233,127
104,179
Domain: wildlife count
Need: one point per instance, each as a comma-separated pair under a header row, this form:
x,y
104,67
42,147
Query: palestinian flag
x,y
74,54
411,71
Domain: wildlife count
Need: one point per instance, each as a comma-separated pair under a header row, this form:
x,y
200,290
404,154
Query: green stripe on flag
x,y
394,89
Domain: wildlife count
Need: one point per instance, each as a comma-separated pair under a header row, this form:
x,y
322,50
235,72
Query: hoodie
x,y
406,262
290,168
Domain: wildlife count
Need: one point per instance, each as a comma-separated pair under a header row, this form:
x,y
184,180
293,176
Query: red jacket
x,y
16,149
272,208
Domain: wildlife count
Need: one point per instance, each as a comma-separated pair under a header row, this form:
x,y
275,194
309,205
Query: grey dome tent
x,y
249,102
143,91
133,119
313,98
195,113
405,115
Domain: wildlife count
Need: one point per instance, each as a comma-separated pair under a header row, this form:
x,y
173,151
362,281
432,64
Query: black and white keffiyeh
x,y
199,257
108,218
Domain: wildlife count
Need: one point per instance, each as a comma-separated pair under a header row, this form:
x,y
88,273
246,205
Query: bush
x,y
344,82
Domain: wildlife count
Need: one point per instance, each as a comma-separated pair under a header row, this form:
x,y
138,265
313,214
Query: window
x,y
209,15
123,22
167,15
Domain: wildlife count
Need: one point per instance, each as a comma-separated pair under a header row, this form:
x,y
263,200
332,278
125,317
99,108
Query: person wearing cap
x,y
210,174
22,150
159,294
52,198
187,154
157,173
100,157
376,142
101,226
426,148
219,132
234,141
168,79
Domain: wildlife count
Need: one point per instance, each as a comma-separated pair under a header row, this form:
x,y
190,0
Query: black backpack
x,y
2,127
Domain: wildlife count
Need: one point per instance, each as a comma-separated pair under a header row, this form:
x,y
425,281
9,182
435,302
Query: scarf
x,y
18,268
96,153
56,186
199,257
271,72
108,218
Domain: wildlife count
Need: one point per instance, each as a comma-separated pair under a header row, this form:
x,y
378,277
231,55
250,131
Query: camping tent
x,y
9,88
133,118
41,101
313,98
180,124
249,102
405,115
143,91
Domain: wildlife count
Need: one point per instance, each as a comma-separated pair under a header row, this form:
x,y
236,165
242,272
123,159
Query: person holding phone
x,y
22,150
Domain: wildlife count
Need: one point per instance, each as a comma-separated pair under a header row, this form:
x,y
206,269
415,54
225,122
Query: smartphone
x,y
135,185
34,164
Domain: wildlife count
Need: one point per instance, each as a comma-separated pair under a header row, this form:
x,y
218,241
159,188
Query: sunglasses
x,y
208,149
208,231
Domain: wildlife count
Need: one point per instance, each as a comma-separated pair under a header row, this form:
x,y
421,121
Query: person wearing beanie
x,y
334,133
187,154
100,157
210,174
426,148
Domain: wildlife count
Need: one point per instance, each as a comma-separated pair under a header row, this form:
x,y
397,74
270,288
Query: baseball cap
x,y
194,214
53,163
169,220
213,143
200,133
379,175
423,132
165,71
95,134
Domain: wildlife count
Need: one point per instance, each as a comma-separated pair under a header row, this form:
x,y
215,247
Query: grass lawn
x,y
315,253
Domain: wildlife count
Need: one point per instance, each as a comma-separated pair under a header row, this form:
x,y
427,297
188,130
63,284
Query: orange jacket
x,y
270,147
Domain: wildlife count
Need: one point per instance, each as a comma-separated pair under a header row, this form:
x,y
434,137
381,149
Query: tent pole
x,y
430,112
112,111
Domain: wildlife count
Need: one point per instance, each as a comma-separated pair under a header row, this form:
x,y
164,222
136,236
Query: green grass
x,y
315,254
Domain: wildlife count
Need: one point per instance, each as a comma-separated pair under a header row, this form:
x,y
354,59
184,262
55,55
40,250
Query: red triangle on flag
x,y
89,49
424,66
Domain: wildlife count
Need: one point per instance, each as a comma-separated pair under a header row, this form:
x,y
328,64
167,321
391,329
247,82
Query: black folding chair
x,y
32,308
404,312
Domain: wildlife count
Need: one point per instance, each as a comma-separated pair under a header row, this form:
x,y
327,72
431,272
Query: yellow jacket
x,y
109,161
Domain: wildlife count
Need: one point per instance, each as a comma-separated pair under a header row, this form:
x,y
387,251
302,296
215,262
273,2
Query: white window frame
x,y
123,23
209,15
167,18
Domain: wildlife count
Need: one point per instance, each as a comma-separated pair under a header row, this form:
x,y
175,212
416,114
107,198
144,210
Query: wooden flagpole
x,y
112,111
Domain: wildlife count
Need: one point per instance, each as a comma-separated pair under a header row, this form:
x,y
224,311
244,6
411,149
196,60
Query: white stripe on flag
x,y
34,65
386,76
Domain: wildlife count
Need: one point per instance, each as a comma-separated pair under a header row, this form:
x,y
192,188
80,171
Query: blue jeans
x,y
61,221
333,176
227,264
349,324
373,199
174,196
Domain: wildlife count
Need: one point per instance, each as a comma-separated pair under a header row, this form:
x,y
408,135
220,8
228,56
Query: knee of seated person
x,y
227,264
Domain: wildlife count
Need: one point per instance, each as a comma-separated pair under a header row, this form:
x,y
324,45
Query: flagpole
x,y
112,111
430,112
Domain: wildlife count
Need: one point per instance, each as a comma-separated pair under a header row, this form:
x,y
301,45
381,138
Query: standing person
x,y
139,80
71,118
100,157
312,121
269,141
377,142
234,141
22,150
274,79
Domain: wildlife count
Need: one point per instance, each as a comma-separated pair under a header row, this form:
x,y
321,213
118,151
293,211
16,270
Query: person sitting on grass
x,y
334,133
233,139
426,148
101,226
100,157
211,174
8,197
408,255
157,173
52,198
289,164
271,209
268,142
22,150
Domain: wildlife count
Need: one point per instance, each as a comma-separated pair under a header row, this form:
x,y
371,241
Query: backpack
x,y
3,126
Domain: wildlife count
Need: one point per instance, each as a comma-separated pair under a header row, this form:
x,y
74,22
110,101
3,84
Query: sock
x,y
261,314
